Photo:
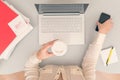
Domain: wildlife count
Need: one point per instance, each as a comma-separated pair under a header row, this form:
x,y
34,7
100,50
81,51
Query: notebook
x,y
20,26
105,53
6,33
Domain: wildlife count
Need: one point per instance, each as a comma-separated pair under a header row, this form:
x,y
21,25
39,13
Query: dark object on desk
x,y
103,17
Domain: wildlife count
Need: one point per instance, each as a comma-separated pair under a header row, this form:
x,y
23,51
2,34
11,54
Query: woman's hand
x,y
105,27
43,52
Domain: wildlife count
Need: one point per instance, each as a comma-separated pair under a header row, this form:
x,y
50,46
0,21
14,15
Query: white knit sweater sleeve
x,y
91,57
32,68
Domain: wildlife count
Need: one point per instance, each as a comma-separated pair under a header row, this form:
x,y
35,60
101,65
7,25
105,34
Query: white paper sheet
x,y
105,53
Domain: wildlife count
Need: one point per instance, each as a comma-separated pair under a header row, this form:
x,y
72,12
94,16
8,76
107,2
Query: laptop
x,y
62,21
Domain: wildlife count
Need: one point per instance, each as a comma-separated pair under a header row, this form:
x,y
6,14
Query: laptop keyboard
x,y
61,24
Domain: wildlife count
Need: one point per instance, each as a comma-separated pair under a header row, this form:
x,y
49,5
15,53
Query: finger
x,y
98,23
49,42
48,45
109,20
50,54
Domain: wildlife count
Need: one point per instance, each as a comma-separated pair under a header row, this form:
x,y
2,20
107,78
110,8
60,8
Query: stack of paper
x,y
19,25
105,54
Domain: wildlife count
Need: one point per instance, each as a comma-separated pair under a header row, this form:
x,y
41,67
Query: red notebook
x,y
6,33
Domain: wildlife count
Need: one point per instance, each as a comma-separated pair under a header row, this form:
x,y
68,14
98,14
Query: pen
x,y
110,54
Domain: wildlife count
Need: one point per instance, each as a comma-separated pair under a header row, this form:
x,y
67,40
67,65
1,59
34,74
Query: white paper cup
x,y
59,48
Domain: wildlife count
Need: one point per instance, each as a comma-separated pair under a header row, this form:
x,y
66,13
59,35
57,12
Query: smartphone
x,y
103,17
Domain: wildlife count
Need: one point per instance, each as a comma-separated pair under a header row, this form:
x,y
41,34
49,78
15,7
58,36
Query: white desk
x,y
75,54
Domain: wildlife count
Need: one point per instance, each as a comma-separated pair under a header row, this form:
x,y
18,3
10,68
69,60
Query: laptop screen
x,y
61,8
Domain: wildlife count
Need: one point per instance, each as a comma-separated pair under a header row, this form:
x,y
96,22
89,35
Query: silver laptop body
x,y
62,21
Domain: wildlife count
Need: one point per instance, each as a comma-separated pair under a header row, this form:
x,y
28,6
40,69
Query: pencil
x,y
110,54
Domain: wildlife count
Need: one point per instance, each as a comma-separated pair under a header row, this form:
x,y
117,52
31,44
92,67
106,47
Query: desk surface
x,y
75,53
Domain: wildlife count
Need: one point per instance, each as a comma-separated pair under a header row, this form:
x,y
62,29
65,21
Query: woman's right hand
x,y
105,27
43,52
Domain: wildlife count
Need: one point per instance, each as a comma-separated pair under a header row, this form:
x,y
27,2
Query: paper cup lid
x,y
59,48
